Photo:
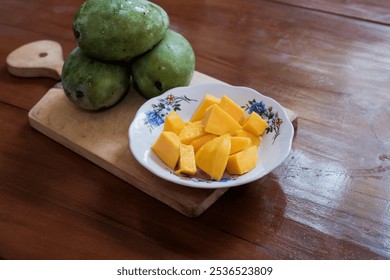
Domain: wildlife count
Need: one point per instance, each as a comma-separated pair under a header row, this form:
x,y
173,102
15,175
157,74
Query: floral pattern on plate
x,y
203,178
156,116
272,118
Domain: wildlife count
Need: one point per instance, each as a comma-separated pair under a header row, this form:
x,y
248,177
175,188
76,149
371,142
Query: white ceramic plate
x,y
149,122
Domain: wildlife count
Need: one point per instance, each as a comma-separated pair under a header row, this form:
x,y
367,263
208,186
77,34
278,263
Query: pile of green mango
x,y
119,41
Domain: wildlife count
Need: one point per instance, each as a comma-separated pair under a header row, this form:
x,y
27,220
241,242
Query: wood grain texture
x,y
42,58
329,200
375,11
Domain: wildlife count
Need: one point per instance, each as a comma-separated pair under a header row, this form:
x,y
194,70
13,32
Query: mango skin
x,y
119,29
169,64
92,84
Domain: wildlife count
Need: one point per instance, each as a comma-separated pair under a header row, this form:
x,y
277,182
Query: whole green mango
x,y
169,64
93,84
119,29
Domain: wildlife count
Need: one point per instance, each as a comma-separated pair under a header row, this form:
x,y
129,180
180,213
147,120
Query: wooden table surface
x,y
330,199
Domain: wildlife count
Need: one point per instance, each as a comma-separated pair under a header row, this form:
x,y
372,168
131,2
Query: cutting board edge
x,y
191,211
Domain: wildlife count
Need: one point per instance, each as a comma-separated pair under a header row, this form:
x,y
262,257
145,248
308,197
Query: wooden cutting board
x,y
102,137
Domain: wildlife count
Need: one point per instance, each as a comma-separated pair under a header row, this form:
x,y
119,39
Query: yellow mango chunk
x,y
243,161
230,107
199,142
213,156
238,143
173,122
217,121
186,160
191,131
254,124
207,101
256,140
218,139
167,148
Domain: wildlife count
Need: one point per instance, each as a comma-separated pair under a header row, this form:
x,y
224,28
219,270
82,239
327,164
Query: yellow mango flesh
x,y
213,156
207,101
218,138
217,121
167,148
254,124
238,143
242,162
186,160
191,131
256,140
230,107
199,142
173,122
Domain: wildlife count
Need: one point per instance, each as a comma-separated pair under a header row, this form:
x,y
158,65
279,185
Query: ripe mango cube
x,y
167,148
239,143
256,140
230,107
199,142
173,122
254,124
242,162
207,101
217,121
191,131
213,156
186,160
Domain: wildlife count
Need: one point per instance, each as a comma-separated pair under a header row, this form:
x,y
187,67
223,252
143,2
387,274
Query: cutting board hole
x,y
43,54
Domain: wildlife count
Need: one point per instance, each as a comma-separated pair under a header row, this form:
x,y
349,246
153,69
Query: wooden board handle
x,y
37,59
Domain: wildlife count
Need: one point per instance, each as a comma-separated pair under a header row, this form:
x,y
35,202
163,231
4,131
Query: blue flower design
x,y
226,179
268,114
258,107
156,116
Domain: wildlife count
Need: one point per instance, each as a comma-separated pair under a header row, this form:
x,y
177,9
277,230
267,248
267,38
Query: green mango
x,y
93,84
169,64
119,29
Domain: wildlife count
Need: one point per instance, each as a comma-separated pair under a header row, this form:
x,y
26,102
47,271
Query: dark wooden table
x,y
330,62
